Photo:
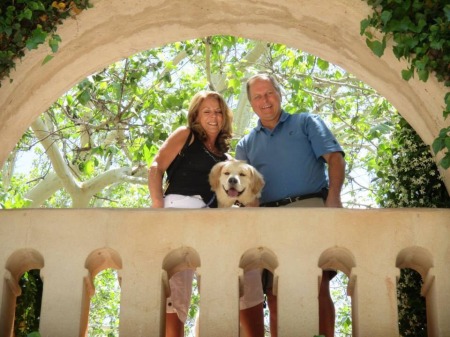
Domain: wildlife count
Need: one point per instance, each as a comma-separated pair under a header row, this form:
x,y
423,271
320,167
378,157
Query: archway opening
x,y
113,122
28,304
105,304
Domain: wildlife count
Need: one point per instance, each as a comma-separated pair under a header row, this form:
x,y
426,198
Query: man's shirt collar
x,y
284,115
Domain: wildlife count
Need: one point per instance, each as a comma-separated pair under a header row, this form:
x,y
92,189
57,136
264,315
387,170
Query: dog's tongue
x,y
233,193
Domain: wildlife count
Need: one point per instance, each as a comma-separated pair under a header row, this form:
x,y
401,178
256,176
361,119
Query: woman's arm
x,y
336,175
166,154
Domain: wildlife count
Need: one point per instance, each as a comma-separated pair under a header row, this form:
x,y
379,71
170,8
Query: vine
x,y
26,24
410,180
420,31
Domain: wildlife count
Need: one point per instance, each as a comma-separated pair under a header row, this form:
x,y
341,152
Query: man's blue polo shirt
x,y
289,156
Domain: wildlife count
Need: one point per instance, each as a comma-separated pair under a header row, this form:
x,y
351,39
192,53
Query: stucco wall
x,y
70,246
114,29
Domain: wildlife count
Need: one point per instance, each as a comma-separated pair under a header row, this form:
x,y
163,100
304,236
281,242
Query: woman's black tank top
x,y
190,176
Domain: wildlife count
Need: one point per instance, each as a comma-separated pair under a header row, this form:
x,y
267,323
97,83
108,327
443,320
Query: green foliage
x,y
342,305
420,31
412,315
25,24
28,305
411,179
194,308
34,334
13,196
443,142
105,305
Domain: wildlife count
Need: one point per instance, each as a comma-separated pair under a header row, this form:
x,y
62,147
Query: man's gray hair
x,y
263,77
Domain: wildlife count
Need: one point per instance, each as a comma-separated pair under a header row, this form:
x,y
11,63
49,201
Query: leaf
x,y
376,46
234,83
447,103
46,59
147,155
407,74
84,97
386,16
323,65
27,14
423,75
402,25
34,334
438,144
54,42
447,142
445,162
36,5
89,167
447,12
38,37
363,26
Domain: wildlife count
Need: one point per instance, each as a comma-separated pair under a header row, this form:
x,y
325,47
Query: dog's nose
x,y
232,181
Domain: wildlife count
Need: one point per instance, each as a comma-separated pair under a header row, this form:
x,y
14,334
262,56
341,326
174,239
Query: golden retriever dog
x,y
235,183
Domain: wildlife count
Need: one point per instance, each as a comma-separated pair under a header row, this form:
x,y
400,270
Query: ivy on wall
x,y
26,24
420,31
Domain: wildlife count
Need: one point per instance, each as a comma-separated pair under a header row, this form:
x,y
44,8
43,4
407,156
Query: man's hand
x,y
333,201
336,175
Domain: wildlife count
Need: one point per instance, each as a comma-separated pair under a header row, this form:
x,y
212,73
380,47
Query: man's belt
x,y
282,202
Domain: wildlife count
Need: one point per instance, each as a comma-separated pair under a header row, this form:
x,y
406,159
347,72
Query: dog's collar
x,y
238,204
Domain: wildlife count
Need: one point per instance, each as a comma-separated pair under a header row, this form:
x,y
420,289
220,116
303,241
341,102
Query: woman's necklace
x,y
209,149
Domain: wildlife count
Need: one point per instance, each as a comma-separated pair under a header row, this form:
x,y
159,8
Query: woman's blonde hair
x,y
226,133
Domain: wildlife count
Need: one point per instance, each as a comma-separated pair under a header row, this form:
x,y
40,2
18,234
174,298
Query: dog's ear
x,y
214,175
257,182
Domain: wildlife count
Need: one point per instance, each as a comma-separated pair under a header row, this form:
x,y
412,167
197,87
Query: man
x,y
292,152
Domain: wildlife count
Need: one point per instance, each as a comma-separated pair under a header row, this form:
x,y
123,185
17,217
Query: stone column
x,y
375,301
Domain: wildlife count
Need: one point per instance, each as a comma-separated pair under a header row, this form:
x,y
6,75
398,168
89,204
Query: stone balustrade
x,y
146,246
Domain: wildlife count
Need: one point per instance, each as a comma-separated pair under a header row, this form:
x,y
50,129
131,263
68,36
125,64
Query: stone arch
x,y
23,260
255,262
115,29
340,258
180,259
337,258
177,260
417,258
18,263
101,259
259,258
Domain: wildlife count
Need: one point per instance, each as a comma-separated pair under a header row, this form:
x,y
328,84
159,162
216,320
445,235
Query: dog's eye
x,y
226,173
242,174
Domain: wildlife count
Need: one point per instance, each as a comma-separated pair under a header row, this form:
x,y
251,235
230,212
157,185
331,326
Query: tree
x,y
98,139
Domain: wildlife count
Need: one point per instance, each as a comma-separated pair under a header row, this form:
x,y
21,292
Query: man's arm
x,y
336,176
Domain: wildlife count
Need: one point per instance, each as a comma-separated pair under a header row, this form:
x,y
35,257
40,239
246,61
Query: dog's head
x,y
235,180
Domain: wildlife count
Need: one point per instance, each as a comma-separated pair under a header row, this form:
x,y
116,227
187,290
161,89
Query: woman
x,y
188,156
